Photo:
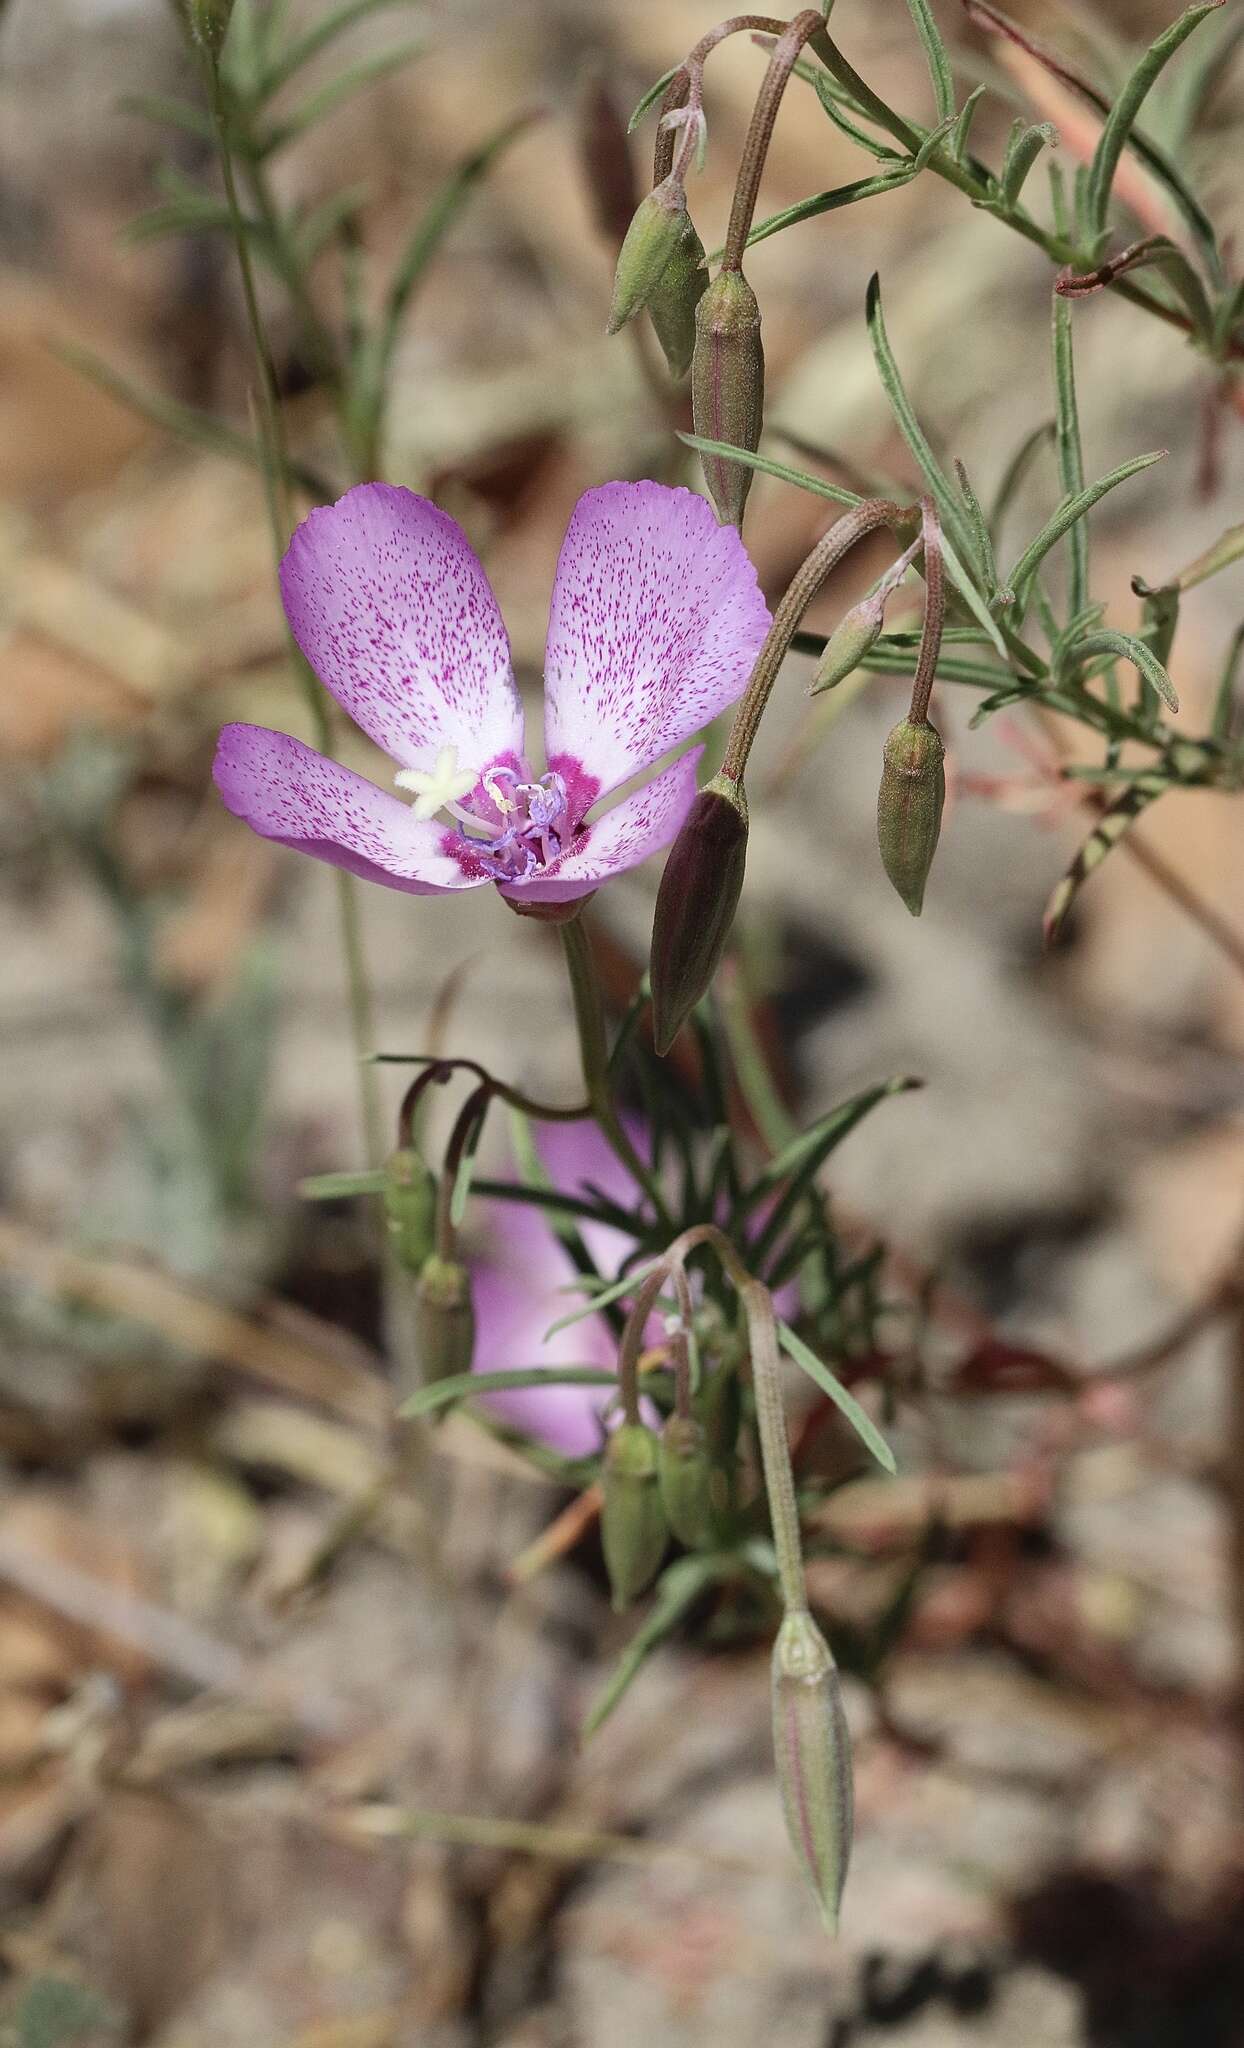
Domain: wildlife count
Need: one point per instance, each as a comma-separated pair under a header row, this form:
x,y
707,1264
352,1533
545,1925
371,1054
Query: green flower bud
x,y
909,807
696,902
444,1319
409,1207
848,644
632,1520
813,1751
677,293
652,239
728,386
685,1474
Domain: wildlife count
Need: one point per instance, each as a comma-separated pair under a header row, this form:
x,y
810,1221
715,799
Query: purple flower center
x,y
534,824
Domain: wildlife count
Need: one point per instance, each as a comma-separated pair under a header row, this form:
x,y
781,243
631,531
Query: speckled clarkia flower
x,y
655,620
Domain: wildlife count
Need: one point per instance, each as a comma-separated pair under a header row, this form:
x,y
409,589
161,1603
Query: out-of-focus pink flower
x,y
655,620
518,1287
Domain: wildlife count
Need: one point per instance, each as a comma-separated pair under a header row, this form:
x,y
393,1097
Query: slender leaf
x,y
980,529
321,223
199,429
651,97
803,1159
678,1588
1068,450
1022,150
859,1419
784,473
940,74
281,68
327,98
1228,548
833,200
963,126
954,521
335,1187
1114,821
1225,696
1017,469
1122,116
465,1386
1138,652
1069,511
602,1297
170,112
597,1209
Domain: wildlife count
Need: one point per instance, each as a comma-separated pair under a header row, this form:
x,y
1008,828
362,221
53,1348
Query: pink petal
x,y
287,791
517,1295
641,824
655,622
386,598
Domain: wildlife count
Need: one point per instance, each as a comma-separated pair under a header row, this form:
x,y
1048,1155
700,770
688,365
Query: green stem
x,y
275,469
774,1444
589,1016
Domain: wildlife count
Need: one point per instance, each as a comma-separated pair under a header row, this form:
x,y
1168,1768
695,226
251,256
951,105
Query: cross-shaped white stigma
x,y
447,784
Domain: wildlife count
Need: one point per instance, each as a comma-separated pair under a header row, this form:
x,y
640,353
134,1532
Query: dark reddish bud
x,y
696,903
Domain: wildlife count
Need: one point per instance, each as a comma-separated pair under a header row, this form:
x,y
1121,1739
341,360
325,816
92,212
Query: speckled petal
x,y
387,600
641,824
286,791
655,622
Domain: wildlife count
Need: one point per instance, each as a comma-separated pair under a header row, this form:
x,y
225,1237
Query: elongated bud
x,y
632,1520
677,293
409,1207
444,1319
813,1751
909,807
728,386
848,644
652,238
685,1474
696,902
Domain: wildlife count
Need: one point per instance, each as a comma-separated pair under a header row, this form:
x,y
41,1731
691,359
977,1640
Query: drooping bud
x,y
685,1473
409,1207
605,157
632,1520
812,1747
847,645
696,902
444,1319
656,228
677,293
728,386
909,807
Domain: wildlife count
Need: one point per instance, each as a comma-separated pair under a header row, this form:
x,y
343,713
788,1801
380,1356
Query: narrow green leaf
x,y
1114,821
1228,548
556,1202
321,223
183,217
832,201
1225,696
1069,511
954,521
334,1187
466,1167
1022,150
932,143
281,67
980,529
1017,469
199,429
1122,116
859,1419
1129,648
1068,450
832,101
784,473
56,2011
465,1386
805,1155
966,587
429,233
170,112
601,1298
336,91
678,1588
651,97
963,126
940,74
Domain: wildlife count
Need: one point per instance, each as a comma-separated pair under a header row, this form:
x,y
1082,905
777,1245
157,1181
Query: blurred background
x,y
266,1758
